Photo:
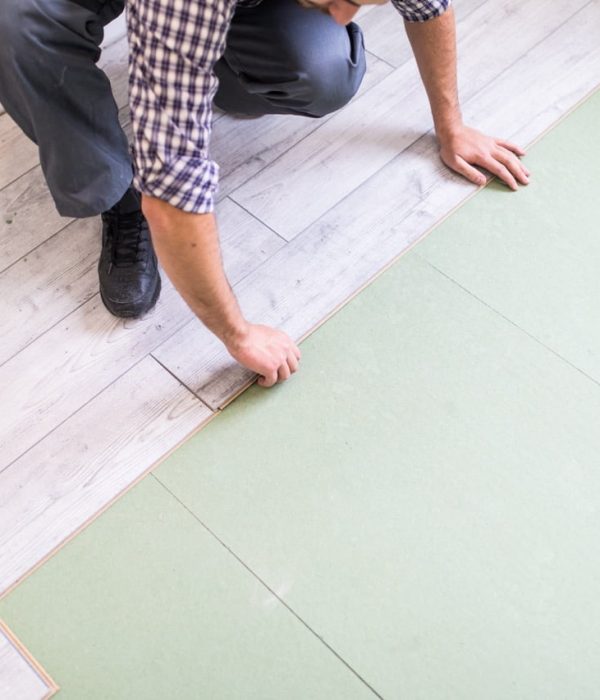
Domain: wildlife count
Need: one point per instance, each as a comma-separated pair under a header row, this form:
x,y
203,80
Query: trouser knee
x,y
282,58
50,85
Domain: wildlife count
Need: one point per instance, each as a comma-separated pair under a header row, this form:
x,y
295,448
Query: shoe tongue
x,y
130,202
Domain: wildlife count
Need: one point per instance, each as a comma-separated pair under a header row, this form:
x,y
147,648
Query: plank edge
x,y
53,687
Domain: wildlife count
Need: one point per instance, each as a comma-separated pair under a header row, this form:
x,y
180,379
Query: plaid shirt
x,y
173,46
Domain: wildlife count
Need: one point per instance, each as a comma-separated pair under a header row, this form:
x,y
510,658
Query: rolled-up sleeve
x,y
173,46
421,10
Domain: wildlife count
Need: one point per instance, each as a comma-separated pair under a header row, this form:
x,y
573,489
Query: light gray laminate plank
x,y
305,282
113,62
17,153
51,378
243,147
79,468
28,216
47,284
369,133
18,679
385,36
114,31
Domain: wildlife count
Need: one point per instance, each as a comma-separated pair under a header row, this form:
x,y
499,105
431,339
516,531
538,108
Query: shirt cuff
x,y
422,10
189,184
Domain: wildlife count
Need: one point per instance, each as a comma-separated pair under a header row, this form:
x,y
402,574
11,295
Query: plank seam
x,y
180,381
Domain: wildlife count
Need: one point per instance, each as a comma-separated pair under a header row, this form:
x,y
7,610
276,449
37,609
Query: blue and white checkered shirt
x,y
173,46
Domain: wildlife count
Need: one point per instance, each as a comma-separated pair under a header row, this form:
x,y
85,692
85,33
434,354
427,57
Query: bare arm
x,y
187,246
434,46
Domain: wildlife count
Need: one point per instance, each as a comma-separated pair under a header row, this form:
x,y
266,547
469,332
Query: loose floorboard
x,y
421,503
65,362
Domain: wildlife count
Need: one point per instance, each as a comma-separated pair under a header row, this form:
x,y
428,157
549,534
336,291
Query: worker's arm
x,y
434,46
174,44
187,246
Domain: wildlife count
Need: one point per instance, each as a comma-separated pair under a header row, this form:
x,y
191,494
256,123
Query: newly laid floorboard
x,y
68,354
17,154
19,678
40,289
28,217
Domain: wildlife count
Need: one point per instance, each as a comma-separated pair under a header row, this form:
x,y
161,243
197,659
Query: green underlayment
x,y
424,495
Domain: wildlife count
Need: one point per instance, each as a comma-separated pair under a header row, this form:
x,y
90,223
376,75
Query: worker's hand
x,y
464,147
266,351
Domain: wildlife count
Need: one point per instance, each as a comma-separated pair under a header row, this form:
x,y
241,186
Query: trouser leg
x,y
282,58
52,88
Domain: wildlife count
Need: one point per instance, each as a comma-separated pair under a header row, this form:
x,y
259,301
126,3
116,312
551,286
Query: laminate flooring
x,y
91,403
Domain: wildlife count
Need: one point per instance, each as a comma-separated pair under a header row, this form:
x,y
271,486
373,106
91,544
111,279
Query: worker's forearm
x,y
187,246
434,46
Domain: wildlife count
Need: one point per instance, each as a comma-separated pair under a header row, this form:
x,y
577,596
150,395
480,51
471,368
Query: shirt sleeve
x,y
173,46
421,10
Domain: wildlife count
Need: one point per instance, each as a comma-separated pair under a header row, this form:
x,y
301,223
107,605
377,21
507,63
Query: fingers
x,y
499,170
268,380
287,364
463,168
510,146
293,362
513,164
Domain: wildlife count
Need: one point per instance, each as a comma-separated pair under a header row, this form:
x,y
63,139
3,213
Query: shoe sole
x,y
132,310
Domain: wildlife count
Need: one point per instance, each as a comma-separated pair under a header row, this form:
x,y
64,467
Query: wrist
x,y
236,334
448,121
448,128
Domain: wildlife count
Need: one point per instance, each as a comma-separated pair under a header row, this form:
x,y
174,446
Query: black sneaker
x,y
128,270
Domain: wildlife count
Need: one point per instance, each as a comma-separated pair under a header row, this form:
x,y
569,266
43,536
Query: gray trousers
x,y
280,59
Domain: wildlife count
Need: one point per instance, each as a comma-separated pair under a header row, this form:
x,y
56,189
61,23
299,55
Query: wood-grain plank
x,y
385,37
305,282
70,363
370,132
79,468
27,216
17,153
47,284
243,147
19,678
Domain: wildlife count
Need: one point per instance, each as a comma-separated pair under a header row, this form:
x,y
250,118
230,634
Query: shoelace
x,y
128,247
